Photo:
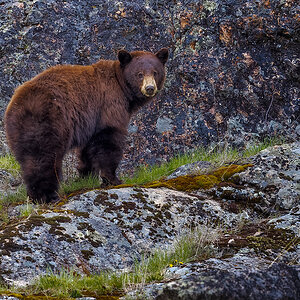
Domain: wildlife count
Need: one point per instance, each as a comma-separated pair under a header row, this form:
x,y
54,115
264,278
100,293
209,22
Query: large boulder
x,y
102,230
233,73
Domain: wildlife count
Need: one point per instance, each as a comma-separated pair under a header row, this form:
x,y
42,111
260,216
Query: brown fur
x,y
87,107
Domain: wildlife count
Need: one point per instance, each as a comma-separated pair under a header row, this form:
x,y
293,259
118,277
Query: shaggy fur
x,y
84,107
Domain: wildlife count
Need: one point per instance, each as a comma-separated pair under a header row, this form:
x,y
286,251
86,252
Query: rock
x,y
276,175
239,277
233,73
3,145
102,230
289,221
257,253
164,124
199,167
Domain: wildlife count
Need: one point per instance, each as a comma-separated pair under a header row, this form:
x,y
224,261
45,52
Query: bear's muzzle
x,y
149,87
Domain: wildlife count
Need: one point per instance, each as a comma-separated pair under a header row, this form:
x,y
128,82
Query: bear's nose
x,y
150,89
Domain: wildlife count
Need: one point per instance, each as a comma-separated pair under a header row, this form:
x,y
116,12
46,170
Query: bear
x,y
87,108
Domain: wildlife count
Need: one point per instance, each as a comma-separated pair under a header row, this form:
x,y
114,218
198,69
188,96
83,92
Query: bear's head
x,y
144,72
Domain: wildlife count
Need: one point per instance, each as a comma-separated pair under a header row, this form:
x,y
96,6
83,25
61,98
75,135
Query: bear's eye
x,y
154,73
141,75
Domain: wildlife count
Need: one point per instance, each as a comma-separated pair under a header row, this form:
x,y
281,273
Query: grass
x,y
78,184
9,163
27,209
193,246
198,244
143,174
216,155
267,142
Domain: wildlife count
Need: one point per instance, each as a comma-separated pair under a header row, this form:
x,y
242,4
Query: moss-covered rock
x,y
204,181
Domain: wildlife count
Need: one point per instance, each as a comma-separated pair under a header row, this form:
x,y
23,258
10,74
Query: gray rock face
x,y
289,221
3,145
233,73
276,173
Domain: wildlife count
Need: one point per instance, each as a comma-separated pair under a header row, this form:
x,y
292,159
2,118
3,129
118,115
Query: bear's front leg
x,y
103,153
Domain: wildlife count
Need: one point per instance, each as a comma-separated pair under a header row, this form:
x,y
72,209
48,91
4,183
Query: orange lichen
x,y
226,34
185,20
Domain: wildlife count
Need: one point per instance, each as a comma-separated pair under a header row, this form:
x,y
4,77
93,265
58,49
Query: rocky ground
x,y
257,210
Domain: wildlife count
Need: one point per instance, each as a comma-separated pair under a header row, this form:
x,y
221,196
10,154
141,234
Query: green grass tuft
x,y
79,184
254,148
145,174
14,197
9,163
196,245
27,210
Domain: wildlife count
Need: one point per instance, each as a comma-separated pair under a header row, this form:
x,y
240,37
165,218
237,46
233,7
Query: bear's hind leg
x,y
103,153
39,137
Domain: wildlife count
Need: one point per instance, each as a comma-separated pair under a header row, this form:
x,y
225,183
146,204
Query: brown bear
x,y
83,107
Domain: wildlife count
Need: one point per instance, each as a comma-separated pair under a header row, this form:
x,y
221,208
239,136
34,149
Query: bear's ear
x,y
124,57
162,55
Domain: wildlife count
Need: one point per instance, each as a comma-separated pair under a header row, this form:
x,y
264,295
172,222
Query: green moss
x,y
121,186
225,172
79,213
193,182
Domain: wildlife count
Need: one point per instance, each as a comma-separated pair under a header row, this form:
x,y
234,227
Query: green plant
x,y
27,209
14,197
79,184
256,147
9,163
144,174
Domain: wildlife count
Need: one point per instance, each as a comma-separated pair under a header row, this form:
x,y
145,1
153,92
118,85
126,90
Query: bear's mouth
x,y
151,94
